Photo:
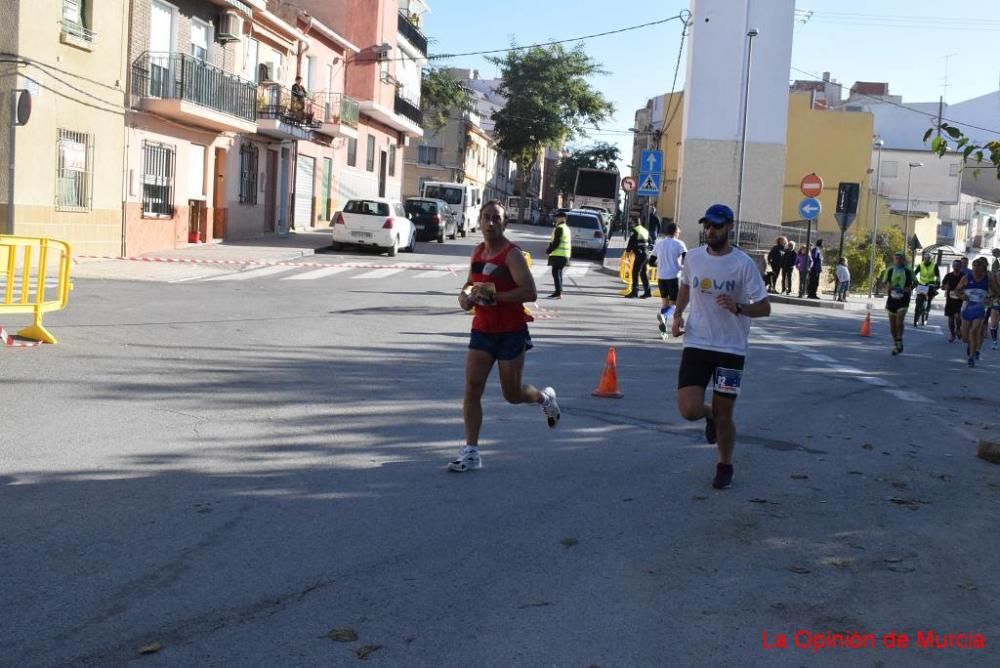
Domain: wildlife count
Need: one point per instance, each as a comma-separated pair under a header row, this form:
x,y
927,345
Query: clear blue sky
x,y
907,50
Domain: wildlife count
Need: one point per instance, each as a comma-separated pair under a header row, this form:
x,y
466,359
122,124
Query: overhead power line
x,y
881,100
558,41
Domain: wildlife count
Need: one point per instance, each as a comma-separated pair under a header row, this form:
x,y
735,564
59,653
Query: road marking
x,y
379,273
434,273
577,272
317,273
253,273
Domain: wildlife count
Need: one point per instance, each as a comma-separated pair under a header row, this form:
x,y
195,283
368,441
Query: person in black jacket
x,y
638,245
775,260
788,268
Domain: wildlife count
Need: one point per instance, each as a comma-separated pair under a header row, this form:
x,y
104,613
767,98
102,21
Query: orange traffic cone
x,y
608,387
866,326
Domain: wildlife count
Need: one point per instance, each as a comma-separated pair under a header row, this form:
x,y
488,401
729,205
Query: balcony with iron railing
x,y
412,33
185,88
408,110
284,115
337,114
78,35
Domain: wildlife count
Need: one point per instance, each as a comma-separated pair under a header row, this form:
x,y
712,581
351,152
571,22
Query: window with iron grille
x,y
370,157
158,162
249,155
427,155
352,152
74,170
392,160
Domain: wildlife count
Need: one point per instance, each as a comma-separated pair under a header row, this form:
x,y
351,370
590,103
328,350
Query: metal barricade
x,y
625,273
24,287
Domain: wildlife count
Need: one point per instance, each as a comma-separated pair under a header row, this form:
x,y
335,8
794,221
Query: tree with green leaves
x,y
441,97
599,156
548,102
948,138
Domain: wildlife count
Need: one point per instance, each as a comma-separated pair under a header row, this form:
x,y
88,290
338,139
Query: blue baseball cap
x,y
718,215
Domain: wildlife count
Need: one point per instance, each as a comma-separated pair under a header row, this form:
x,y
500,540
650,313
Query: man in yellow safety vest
x,y
559,251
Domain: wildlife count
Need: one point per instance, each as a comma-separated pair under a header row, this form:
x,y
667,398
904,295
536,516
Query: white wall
x,y
937,183
717,56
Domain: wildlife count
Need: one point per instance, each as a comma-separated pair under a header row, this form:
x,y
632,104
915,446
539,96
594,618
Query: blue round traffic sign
x,y
809,208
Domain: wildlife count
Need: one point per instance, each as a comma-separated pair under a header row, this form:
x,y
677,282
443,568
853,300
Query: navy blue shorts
x,y
503,347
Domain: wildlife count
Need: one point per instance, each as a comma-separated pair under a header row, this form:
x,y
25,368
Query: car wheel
x,y
394,249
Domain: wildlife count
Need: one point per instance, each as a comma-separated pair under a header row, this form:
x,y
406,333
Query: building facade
x,y
710,160
69,162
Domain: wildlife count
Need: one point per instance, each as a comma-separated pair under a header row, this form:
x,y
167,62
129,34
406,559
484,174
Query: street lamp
x,y
878,144
906,232
753,32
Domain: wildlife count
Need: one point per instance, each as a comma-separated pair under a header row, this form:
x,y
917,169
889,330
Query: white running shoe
x,y
550,407
468,460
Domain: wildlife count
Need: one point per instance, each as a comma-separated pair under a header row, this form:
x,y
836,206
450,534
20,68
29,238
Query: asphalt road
x,y
224,466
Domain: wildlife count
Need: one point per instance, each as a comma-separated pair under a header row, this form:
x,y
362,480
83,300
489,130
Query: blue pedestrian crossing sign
x,y
650,162
809,208
649,185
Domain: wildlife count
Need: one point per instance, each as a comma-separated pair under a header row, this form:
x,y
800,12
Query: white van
x,y
465,199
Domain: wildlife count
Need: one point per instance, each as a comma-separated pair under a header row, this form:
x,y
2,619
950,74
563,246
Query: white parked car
x,y
377,222
587,230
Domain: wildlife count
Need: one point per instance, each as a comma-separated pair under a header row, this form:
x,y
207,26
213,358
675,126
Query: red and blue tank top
x,y
502,317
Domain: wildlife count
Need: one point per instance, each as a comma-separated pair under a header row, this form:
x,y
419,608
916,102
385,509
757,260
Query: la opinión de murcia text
x,y
828,640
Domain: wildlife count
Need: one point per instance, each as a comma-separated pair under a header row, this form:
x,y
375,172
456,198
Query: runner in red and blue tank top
x,y
498,285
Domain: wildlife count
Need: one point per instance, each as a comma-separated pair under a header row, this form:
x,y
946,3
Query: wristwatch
x,y
739,309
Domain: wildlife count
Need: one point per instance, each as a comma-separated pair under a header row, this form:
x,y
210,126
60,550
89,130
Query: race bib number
x,y
897,293
976,295
728,381
923,289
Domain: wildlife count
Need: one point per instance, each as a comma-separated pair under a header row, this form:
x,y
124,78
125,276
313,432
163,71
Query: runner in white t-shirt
x,y
724,289
668,258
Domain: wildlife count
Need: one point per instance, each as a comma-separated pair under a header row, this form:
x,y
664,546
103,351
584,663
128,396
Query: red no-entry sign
x,y
811,185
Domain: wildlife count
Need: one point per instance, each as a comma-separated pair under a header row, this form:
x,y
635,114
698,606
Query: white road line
x,y
255,273
576,272
433,273
379,273
317,273
539,269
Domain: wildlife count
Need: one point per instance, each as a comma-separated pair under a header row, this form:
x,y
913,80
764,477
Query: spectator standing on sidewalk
x,y
653,225
787,268
802,267
638,245
775,260
559,251
815,268
843,280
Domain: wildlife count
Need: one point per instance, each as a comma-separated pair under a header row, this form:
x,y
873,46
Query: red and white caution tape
x,y
8,340
279,263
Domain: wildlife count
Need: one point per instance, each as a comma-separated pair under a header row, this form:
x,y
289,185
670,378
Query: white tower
x,y
713,109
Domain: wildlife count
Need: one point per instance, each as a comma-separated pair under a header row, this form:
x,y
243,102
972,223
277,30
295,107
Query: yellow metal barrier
x,y
20,269
625,274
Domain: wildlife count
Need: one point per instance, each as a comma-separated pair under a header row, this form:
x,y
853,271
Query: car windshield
x,y
367,207
421,206
583,222
449,195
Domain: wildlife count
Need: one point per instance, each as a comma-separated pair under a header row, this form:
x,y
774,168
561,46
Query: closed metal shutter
x,y
305,171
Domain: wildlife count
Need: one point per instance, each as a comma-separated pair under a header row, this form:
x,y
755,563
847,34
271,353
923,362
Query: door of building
x,y
283,182
270,189
161,44
219,196
327,178
305,179
382,166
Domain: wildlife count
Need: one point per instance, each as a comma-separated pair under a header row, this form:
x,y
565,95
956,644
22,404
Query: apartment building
x,y
69,156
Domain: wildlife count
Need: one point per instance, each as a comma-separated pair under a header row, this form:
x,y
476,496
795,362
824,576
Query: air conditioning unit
x,y
230,27
268,73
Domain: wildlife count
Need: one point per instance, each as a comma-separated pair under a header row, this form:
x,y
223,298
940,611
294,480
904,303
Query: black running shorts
x,y
669,288
723,370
